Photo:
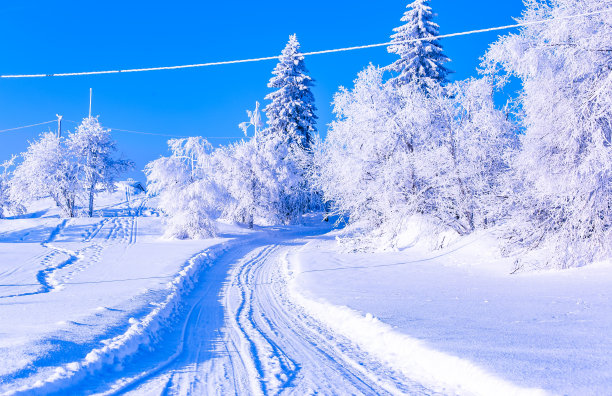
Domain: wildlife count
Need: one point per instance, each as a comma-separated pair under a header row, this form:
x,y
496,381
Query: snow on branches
x,y
92,147
68,170
7,203
291,111
561,191
395,152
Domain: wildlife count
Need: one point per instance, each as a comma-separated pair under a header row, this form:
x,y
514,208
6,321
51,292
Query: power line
x,y
329,51
176,136
27,126
163,134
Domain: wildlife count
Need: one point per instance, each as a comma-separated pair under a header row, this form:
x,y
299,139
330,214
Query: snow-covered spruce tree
x,y
47,169
421,60
291,113
93,149
285,144
7,204
562,191
184,184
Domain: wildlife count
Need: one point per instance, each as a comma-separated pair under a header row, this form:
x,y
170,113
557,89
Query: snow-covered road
x,y
241,334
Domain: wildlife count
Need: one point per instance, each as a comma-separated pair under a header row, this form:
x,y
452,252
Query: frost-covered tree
x,y
397,152
184,184
48,169
93,148
7,204
365,166
420,59
291,111
238,170
254,121
465,142
562,193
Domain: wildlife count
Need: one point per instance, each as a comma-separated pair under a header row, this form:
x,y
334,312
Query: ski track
x,y
241,334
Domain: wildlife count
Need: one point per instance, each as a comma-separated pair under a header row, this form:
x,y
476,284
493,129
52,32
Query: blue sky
x,y
65,36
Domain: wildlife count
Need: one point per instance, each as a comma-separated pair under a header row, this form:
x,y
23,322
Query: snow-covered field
x,y
458,321
105,305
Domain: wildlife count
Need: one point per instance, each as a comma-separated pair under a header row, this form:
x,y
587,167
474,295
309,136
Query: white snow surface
x,y
457,321
107,306
76,294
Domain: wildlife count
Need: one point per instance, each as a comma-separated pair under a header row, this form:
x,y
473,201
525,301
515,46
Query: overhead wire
x,y
329,51
26,126
163,134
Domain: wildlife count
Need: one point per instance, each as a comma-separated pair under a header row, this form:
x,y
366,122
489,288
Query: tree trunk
x,y
91,199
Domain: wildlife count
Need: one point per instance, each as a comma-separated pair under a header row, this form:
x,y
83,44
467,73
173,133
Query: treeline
x,y
408,144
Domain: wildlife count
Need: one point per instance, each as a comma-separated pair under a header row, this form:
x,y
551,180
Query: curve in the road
x,y
241,334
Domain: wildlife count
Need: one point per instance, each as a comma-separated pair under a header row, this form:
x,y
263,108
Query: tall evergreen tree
x,y
291,113
285,145
422,61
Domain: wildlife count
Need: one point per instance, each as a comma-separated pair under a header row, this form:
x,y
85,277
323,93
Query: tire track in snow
x,y
240,333
301,355
275,369
270,346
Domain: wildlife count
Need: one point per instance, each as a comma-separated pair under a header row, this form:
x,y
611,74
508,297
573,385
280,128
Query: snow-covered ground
x,y
457,321
69,286
105,305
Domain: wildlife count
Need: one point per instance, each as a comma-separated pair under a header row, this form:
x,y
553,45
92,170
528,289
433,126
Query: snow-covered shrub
x,y
562,191
187,192
48,169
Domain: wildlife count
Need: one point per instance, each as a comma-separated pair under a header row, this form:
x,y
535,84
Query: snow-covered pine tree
x,y
285,145
421,60
93,148
291,113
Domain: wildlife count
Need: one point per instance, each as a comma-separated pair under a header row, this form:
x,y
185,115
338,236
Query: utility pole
x,y
59,125
90,93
